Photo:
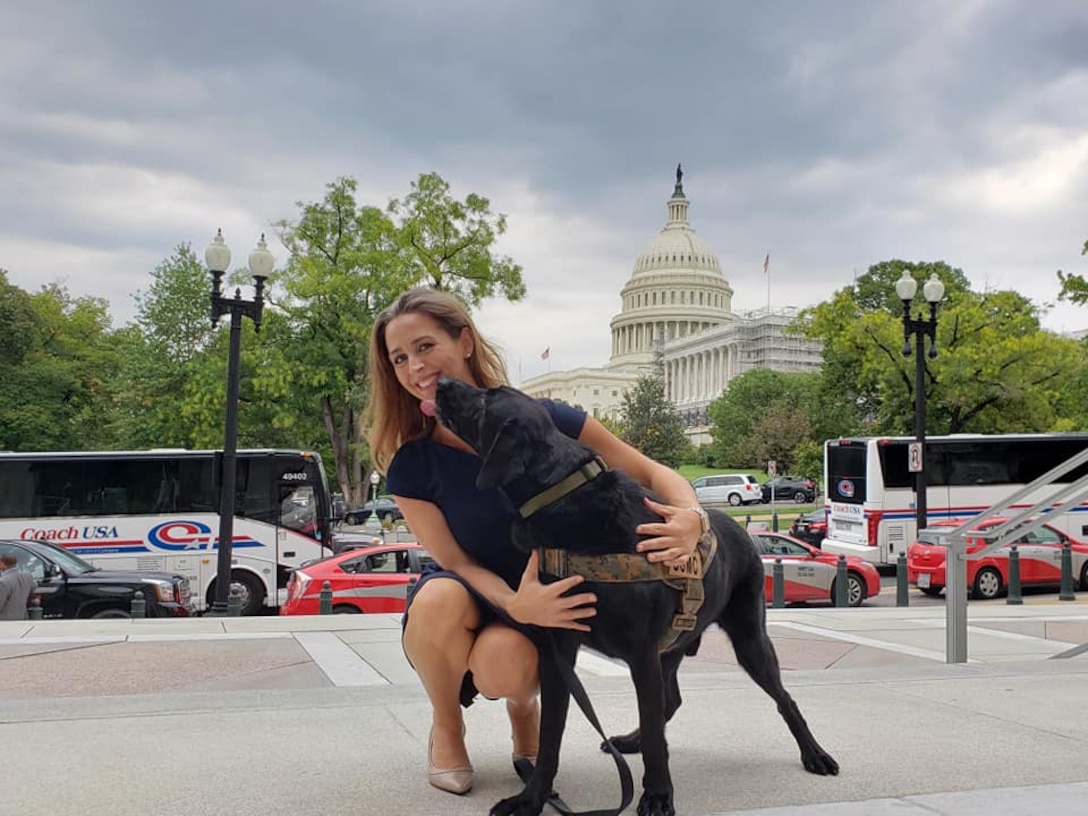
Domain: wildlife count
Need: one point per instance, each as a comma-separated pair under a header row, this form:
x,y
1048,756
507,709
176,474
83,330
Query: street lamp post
x,y
261,262
905,288
373,524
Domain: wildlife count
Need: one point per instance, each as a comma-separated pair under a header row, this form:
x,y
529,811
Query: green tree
x,y
58,369
1074,287
996,369
736,415
650,423
448,243
172,383
776,433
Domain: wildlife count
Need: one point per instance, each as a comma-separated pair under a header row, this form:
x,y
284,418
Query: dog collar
x,y
585,474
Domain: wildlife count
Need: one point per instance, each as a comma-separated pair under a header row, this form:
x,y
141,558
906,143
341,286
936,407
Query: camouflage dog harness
x,y
686,577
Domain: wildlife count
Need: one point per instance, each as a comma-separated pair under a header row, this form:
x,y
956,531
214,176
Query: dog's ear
x,y
498,465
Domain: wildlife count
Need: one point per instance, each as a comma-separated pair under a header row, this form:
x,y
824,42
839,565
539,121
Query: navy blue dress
x,y
480,520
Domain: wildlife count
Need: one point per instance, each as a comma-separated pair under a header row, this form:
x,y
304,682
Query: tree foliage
x,y
996,370
59,367
650,423
447,244
763,415
1074,287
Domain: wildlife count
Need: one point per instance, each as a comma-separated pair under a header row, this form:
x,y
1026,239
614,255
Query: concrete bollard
x,y
778,585
1066,593
325,599
902,590
234,602
139,605
1014,597
34,610
841,578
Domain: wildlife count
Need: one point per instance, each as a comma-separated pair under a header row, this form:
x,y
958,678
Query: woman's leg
x,y
505,664
438,637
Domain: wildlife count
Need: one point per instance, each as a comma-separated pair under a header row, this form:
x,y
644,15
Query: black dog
x,y
523,454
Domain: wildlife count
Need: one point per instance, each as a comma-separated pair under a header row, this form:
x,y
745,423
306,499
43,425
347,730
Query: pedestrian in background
x,y
15,589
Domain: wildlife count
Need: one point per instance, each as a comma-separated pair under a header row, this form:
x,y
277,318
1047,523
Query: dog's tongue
x,y
427,407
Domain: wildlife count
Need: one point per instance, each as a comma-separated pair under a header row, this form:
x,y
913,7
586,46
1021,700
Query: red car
x,y
368,579
809,572
987,577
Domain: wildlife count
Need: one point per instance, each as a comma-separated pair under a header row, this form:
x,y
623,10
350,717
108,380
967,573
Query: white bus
x,y
159,510
870,489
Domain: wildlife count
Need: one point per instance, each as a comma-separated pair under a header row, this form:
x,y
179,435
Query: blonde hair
x,y
392,415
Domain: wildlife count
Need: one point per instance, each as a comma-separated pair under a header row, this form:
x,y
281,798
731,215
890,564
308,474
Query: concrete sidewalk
x,y
322,715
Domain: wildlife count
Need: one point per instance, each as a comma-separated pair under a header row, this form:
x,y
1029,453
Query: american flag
x,y
544,355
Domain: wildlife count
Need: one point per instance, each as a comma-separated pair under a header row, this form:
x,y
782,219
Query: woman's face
x,y
421,351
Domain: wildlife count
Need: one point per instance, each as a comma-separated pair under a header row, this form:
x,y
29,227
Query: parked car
x,y
789,488
69,587
370,579
811,527
810,573
384,508
734,488
988,577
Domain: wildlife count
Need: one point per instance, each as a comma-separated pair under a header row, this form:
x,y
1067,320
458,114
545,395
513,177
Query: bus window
x,y
846,473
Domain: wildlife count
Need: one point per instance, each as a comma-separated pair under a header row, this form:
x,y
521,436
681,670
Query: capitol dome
x,y
676,289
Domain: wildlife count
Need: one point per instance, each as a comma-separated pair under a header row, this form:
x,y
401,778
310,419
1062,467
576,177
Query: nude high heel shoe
x,y
452,780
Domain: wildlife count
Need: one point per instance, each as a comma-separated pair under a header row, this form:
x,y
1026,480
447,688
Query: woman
x,y
464,627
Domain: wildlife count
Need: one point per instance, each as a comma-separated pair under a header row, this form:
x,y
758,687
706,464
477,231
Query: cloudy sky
x,y
831,134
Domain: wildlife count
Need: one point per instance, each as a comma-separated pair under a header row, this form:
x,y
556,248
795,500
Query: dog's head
x,y
505,427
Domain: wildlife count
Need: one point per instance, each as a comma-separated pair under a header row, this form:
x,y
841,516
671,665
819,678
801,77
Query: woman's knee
x,y
439,607
504,663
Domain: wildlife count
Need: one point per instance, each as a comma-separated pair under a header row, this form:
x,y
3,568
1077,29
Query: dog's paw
x,y
656,804
625,743
819,761
520,805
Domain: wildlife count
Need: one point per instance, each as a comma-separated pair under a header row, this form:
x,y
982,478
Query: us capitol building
x,y
676,312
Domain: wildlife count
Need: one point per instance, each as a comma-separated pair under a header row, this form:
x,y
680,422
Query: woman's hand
x,y
545,604
675,538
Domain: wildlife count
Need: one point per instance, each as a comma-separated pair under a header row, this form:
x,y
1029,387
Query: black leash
x,y
627,789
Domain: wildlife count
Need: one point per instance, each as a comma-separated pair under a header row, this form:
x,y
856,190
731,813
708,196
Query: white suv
x,y
735,488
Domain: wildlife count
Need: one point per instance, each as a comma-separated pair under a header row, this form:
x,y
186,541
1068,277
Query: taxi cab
x,y
1040,552
367,579
809,573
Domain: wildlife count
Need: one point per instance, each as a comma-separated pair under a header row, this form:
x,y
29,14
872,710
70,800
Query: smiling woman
x,y
467,623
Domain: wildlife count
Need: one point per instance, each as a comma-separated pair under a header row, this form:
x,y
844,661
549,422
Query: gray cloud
x,y
831,135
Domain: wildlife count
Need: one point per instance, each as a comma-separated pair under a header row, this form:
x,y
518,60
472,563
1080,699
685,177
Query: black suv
x,y
69,587
385,509
789,488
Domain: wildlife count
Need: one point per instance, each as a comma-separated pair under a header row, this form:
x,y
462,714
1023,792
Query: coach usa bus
x,y
870,488
158,510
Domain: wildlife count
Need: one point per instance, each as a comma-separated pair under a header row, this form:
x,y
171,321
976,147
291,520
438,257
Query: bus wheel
x,y
987,584
111,613
346,609
250,590
1084,577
